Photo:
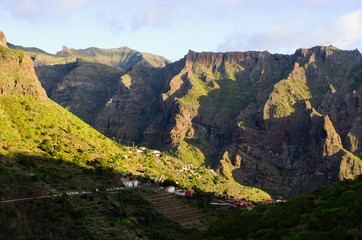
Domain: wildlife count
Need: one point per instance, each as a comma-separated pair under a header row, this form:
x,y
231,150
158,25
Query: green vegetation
x,y
122,215
41,127
286,94
326,213
37,127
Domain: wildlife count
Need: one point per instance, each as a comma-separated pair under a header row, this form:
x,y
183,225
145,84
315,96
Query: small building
x,y
189,192
142,148
180,192
241,203
131,183
236,202
170,189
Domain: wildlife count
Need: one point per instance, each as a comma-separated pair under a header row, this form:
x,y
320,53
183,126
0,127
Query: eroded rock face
x,y
17,73
2,39
283,123
289,123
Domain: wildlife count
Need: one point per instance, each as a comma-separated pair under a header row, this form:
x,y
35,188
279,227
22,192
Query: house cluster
x,y
180,192
229,204
191,169
242,203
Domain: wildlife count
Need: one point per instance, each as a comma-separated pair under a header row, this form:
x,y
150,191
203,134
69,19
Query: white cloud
x,y
41,9
157,13
226,2
348,29
344,32
317,2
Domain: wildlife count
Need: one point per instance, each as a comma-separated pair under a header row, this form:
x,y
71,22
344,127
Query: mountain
x,y
123,57
284,123
34,124
83,81
34,128
55,171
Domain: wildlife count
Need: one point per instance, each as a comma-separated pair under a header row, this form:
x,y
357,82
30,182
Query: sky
x,y
171,28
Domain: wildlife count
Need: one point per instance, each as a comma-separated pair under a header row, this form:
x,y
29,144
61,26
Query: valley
x,y
238,125
283,123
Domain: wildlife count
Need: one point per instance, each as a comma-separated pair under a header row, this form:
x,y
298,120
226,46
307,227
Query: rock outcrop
x,y
17,75
289,123
283,123
2,39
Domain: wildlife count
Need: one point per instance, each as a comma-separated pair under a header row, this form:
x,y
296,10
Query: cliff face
x,y
2,39
17,76
283,123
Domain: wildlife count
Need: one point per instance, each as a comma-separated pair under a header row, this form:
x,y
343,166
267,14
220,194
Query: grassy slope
x,y
39,127
331,212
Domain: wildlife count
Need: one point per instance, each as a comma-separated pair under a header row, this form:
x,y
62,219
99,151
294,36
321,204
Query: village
x,y
128,181
224,202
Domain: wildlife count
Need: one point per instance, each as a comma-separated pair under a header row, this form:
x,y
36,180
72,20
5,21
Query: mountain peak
x,y
18,76
65,51
2,39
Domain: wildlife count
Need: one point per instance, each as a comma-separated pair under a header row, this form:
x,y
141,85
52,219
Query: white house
x,y
131,183
170,189
180,192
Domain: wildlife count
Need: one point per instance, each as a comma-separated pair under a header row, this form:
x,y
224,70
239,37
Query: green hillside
x,y
34,126
332,212
45,151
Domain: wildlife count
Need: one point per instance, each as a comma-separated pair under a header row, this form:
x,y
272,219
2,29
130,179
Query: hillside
x,y
283,123
35,126
326,213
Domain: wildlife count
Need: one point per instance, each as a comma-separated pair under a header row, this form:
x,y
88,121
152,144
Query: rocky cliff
x,y
17,76
283,123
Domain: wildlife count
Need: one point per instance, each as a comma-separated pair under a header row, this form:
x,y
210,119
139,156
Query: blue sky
x,y
171,27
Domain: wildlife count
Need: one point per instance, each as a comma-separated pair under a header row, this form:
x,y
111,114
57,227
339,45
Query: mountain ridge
x,y
35,127
123,57
264,119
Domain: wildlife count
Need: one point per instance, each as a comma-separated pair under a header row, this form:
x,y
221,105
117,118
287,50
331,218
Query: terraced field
x,y
176,209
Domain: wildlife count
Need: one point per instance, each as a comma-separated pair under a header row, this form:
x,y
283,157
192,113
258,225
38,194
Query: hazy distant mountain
x,y
123,57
